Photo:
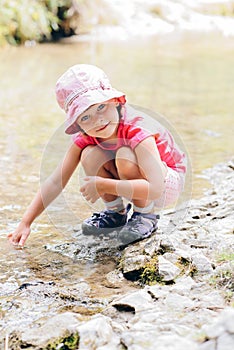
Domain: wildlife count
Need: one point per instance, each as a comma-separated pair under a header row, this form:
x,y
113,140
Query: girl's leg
x,y
143,222
128,169
97,162
174,184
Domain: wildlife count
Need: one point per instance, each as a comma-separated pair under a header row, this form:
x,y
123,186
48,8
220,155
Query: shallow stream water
x,y
189,79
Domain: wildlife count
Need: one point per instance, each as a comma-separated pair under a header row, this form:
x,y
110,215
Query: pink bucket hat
x,y
80,87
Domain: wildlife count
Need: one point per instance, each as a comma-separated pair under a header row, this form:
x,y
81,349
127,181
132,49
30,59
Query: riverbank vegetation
x,y
23,21
38,20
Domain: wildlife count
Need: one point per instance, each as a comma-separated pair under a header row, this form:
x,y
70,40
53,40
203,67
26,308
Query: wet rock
x,y
167,270
152,340
178,303
183,285
186,255
172,257
227,319
114,279
53,331
166,244
225,322
139,341
225,341
133,261
152,245
133,265
73,297
198,243
8,287
161,316
214,331
35,283
212,300
148,320
82,288
197,213
135,258
97,333
225,228
158,292
208,345
221,332
134,302
201,263
88,248
174,342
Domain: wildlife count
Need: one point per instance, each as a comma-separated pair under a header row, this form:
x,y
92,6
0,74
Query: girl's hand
x,y
20,235
89,189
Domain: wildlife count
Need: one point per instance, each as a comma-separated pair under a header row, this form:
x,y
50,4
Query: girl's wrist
x,y
101,185
106,185
26,221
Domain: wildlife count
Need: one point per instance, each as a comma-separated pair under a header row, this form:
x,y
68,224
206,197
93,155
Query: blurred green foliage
x,y
43,20
39,20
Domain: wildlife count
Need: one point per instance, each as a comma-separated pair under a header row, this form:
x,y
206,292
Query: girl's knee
x,y
86,154
126,163
92,157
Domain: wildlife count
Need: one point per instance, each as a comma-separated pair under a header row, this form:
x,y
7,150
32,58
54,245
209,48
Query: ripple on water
x,y
11,207
186,71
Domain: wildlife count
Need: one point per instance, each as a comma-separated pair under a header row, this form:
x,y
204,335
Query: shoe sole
x,y
124,245
93,231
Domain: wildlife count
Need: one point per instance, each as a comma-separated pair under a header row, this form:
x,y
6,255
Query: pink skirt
x,y
174,184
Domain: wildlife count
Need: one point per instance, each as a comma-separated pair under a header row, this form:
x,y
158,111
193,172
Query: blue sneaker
x,y
139,227
104,222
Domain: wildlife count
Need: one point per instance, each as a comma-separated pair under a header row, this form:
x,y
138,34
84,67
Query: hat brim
x,y
86,100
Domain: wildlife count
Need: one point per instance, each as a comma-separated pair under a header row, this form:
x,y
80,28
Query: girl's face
x,y
100,120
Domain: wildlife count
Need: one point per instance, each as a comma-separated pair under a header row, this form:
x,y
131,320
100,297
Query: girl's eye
x,y
100,107
84,119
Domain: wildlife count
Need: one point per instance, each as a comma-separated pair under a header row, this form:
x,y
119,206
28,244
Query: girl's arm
x,y
150,187
51,188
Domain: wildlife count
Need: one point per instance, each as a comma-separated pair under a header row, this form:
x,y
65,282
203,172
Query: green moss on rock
x,y
70,342
150,274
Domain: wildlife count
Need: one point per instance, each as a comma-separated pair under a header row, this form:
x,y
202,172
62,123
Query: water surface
x,y
188,79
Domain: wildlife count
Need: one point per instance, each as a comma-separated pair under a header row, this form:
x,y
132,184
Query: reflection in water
x,y
187,79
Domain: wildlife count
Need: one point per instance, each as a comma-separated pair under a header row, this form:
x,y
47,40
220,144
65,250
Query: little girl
x,y
124,153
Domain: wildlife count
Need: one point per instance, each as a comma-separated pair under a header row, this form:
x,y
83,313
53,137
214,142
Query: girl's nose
x,y
93,119
98,119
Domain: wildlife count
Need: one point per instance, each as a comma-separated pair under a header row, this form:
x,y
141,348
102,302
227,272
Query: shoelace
x,y
106,212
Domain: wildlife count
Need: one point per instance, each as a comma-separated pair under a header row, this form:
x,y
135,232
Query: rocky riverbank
x,y
181,284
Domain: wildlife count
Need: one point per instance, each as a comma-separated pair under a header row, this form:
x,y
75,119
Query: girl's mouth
x,y
103,127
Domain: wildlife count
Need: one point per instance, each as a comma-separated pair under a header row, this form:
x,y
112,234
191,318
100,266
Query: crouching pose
x,y
125,154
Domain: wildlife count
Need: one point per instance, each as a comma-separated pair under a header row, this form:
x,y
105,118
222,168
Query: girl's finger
x,y
22,241
82,189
